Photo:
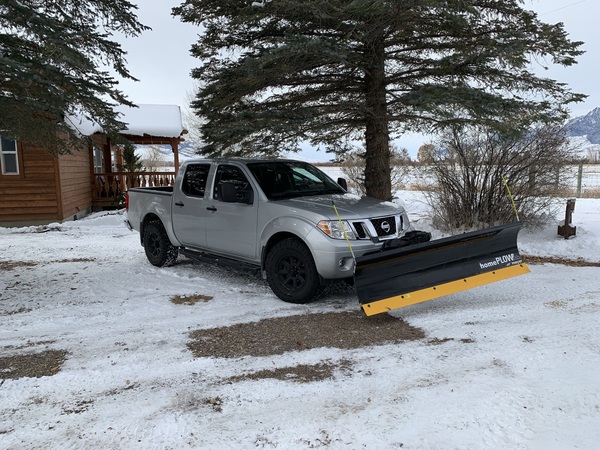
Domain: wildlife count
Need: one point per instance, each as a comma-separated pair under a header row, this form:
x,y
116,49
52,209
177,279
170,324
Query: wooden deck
x,y
110,188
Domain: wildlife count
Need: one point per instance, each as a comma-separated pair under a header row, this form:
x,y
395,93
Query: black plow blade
x,y
395,278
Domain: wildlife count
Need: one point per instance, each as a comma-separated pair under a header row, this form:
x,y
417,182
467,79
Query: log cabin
x,y
38,188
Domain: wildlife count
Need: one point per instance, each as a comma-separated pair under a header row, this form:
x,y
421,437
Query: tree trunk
x,y
377,156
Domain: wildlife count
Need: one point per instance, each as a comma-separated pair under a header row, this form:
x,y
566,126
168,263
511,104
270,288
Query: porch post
x,y
175,147
107,155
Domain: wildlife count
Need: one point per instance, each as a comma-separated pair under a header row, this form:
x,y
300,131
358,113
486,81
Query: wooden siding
x,y
47,189
75,188
32,195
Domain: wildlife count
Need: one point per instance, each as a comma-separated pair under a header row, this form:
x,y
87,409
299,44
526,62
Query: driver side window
x,y
232,174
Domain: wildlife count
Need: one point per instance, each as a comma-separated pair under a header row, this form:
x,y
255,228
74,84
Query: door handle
x,y
178,204
211,208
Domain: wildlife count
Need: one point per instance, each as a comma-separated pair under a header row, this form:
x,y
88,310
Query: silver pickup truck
x,y
284,219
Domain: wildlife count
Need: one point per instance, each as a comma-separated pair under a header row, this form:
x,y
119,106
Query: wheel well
x,y
274,240
149,218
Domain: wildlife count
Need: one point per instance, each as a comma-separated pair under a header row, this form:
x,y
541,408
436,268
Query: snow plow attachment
x,y
414,273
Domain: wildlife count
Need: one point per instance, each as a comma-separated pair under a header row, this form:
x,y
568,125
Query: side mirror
x,y
342,182
227,192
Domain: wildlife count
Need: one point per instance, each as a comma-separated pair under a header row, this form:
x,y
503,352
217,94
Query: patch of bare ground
x,y
11,265
74,260
302,373
438,341
15,311
275,336
79,407
28,344
579,262
33,365
190,299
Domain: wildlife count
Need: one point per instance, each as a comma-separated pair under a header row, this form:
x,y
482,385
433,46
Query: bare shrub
x,y
154,160
470,167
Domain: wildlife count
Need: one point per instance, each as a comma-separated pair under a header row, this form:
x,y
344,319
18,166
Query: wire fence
x,y
587,180
583,180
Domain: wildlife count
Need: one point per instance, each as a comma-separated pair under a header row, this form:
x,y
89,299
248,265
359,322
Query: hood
x,y
348,206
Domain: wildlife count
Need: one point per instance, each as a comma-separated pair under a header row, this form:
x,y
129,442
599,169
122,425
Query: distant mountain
x,y
588,125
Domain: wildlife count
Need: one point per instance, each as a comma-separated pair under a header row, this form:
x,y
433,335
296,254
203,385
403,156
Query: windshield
x,y
287,179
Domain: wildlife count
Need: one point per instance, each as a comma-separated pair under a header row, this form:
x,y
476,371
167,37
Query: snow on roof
x,y
152,120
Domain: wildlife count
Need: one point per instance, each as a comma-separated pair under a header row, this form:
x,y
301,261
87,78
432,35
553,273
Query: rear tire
x,y
291,272
159,250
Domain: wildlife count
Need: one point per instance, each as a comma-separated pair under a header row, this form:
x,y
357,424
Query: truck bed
x,y
165,189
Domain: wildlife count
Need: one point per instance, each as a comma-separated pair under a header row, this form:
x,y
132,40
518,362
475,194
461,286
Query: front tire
x,y
291,272
159,250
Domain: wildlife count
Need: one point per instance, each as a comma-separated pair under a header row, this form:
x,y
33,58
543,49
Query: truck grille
x,y
382,227
360,230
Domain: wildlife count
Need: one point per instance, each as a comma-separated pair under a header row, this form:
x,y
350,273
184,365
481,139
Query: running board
x,y
222,261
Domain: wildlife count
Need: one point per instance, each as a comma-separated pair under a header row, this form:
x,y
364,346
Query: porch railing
x,y
109,187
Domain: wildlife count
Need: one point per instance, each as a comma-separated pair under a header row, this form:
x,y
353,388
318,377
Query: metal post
x,y
579,178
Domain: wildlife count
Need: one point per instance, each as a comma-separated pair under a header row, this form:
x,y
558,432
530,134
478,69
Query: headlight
x,y
333,229
405,226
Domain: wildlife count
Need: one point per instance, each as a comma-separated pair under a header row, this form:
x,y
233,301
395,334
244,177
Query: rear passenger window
x,y
194,180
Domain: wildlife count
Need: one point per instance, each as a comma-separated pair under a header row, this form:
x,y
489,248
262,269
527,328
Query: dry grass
x,y
190,299
11,265
302,373
579,262
591,192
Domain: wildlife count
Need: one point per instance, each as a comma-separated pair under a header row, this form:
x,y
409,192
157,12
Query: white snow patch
x,y
520,371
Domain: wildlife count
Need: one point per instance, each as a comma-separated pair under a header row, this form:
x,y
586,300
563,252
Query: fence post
x,y
566,229
579,178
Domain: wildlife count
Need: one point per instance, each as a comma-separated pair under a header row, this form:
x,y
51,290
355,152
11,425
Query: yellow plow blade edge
x,y
422,295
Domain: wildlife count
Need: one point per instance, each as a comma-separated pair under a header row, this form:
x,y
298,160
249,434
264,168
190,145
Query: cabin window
x,y
8,160
98,160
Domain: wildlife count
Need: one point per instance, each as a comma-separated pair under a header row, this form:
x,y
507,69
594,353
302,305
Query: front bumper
x,y
333,258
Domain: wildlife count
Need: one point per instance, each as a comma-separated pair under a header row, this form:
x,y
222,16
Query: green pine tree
x,y
277,72
54,61
131,161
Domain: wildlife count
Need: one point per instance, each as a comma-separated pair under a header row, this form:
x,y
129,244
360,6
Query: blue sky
x,y
160,58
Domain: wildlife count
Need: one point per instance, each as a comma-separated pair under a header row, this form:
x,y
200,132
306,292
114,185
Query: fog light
x,y
345,264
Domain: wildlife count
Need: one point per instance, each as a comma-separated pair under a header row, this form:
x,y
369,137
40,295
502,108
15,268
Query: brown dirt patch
x,y
274,336
438,341
579,262
74,260
28,344
11,265
33,365
302,373
190,299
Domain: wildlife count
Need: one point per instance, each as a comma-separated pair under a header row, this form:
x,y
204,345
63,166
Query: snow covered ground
x,y
512,365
